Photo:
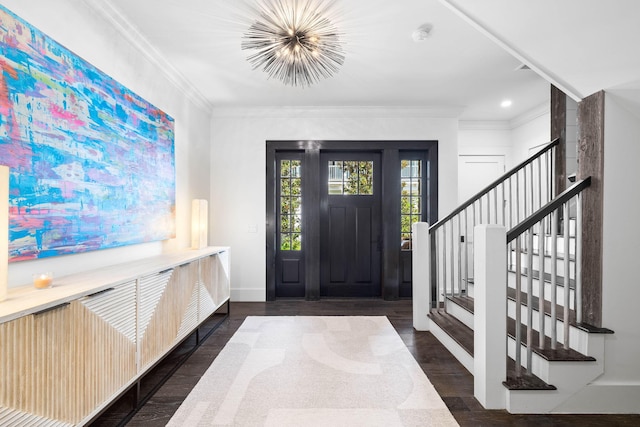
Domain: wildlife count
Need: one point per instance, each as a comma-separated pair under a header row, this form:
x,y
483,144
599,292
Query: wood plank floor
x,y
450,379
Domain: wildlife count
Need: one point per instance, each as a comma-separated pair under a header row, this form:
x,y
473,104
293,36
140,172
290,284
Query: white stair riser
x,y
454,348
460,313
578,339
511,277
560,374
547,264
559,244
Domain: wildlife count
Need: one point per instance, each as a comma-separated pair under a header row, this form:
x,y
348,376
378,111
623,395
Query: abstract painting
x,y
91,163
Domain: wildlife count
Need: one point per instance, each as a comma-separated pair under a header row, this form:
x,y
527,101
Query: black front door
x,y
350,225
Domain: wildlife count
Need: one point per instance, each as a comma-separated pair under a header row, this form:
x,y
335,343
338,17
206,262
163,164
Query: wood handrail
x,y
553,205
494,184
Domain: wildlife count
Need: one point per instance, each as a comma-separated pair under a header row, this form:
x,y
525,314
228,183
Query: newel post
x,y
421,275
490,315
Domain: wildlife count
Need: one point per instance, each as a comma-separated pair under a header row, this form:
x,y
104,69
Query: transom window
x,y
290,205
411,199
351,177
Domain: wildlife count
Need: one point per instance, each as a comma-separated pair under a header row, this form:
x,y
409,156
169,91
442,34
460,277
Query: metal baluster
x,y
578,261
518,336
444,264
530,301
539,183
541,259
525,192
495,203
452,259
504,207
517,203
510,204
437,269
480,210
466,250
554,278
567,288
459,245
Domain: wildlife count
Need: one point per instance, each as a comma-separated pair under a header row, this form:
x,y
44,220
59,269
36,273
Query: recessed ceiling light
x,y
506,103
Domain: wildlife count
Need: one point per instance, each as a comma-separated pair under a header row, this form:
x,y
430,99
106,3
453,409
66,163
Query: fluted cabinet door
x,y
223,278
106,345
37,367
207,286
168,310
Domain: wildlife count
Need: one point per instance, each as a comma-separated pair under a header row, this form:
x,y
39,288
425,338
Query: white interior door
x,y
476,172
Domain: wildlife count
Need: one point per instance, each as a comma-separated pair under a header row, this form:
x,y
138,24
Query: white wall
x,y
621,243
239,178
511,139
530,130
76,26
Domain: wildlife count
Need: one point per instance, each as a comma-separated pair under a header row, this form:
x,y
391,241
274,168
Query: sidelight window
x,y
290,218
351,177
411,199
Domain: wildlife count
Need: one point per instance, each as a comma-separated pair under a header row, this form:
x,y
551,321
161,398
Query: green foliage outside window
x,y
290,205
410,199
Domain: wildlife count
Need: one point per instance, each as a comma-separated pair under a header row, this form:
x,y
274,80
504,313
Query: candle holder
x,y
43,280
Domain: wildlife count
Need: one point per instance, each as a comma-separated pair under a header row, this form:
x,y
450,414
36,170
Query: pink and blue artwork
x,y
91,163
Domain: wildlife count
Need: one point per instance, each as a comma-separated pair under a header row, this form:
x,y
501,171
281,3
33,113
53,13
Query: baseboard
x,y
603,399
248,295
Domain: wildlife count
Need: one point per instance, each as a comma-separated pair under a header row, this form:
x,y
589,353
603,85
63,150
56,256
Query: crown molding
x,y
530,115
338,112
512,124
112,15
484,125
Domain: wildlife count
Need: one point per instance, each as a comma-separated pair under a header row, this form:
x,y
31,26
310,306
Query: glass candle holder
x,y
43,280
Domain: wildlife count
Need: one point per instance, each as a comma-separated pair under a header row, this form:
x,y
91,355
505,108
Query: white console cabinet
x,y
67,352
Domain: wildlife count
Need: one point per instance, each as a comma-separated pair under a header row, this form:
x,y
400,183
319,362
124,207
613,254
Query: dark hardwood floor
x,y
451,380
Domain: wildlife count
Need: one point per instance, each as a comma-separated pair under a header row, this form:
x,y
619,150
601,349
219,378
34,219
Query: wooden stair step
x,y
525,381
560,354
457,330
464,301
536,252
511,294
547,277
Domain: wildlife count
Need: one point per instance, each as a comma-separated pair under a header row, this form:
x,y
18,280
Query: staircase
x,y
517,326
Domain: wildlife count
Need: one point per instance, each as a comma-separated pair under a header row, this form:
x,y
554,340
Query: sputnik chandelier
x,y
294,41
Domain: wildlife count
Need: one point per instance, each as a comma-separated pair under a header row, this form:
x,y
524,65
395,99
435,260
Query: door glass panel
x,y
350,177
290,205
410,199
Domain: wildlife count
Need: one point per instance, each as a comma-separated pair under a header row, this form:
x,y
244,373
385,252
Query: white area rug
x,y
314,371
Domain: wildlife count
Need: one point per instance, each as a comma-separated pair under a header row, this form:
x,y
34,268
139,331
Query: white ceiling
x,y
467,65
582,46
457,68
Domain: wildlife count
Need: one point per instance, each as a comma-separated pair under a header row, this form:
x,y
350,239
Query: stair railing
x,y
565,206
506,201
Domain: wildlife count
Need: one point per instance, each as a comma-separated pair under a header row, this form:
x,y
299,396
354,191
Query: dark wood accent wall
x,y
591,163
559,130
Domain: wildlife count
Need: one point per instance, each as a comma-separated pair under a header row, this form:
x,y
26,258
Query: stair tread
x,y
511,294
547,277
525,381
464,301
560,354
457,330
536,252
